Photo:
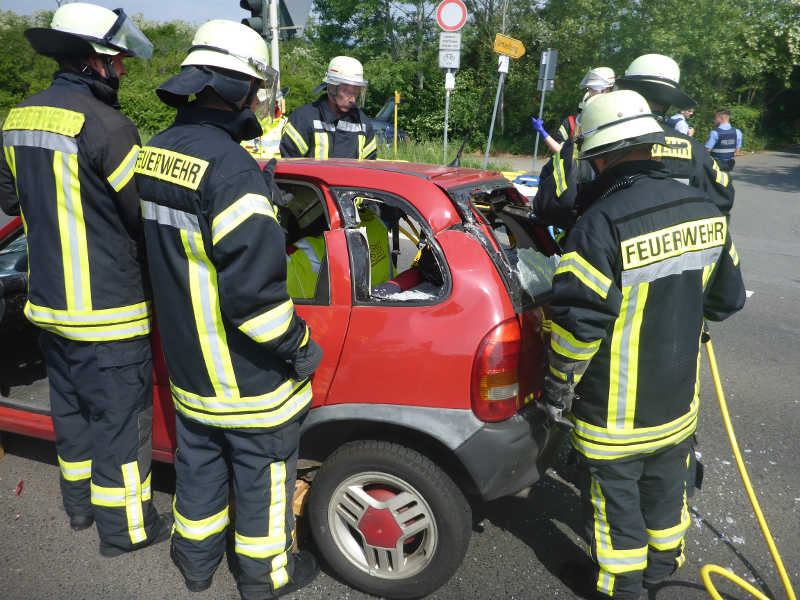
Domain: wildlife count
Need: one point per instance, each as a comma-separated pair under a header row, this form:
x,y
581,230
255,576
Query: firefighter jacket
x,y
643,267
566,187
315,131
566,131
67,168
217,260
267,145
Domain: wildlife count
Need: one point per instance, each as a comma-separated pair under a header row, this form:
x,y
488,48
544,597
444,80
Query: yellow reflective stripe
x,y
558,174
201,528
277,520
11,160
632,366
566,344
260,547
99,333
270,324
321,145
75,471
608,558
605,435
673,241
667,539
734,254
614,452
172,167
120,177
239,415
45,118
114,497
72,232
707,271
574,263
207,316
676,148
721,176
295,136
361,139
562,131
306,337
563,376
371,147
238,212
105,316
133,502
605,582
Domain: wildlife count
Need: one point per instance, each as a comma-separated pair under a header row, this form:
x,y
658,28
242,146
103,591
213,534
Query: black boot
x,y
160,533
305,570
82,521
193,582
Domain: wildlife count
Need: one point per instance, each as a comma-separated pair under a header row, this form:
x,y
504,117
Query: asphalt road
x,y
520,545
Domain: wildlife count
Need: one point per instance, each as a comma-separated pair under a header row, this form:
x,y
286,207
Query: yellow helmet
x,y
345,70
655,77
598,79
229,45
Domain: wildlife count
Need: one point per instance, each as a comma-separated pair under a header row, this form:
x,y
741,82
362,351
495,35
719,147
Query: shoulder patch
x,y
678,148
45,118
172,167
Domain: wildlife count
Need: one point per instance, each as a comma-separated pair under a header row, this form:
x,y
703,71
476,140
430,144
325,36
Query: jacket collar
x,y
328,116
88,84
240,126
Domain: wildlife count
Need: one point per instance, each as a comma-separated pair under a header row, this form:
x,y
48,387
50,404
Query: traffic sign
x,y
508,46
547,70
451,14
449,59
449,41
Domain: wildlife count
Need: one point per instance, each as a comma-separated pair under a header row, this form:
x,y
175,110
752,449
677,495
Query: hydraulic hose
x,y
707,570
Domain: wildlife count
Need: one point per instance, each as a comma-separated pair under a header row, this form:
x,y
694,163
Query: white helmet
x,y
617,120
79,29
656,77
232,46
345,70
598,79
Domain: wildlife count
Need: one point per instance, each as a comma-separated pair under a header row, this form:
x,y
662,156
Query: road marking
x,y
748,293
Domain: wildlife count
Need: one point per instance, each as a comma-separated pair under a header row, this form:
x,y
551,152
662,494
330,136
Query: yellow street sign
x,y
508,46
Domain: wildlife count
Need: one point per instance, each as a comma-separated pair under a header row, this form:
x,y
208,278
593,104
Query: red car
x,y
424,394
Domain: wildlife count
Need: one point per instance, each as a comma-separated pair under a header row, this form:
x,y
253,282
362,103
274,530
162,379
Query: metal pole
x,y
536,147
273,22
396,103
446,118
494,115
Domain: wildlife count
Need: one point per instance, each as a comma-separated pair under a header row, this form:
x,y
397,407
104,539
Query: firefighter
x,y
649,260
272,119
599,80
238,356
656,78
67,167
333,126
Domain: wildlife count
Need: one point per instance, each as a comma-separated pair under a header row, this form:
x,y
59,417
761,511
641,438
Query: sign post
x,y
396,104
547,75
506,47
451,16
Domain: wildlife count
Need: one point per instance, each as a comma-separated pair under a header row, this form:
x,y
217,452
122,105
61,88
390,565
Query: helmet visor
x,y
125,36
596,81
344,93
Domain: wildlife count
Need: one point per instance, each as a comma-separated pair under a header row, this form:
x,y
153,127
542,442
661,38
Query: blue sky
x,y
193,11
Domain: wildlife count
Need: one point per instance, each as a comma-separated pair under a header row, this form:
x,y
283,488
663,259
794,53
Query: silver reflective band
x,y
40,139
92,318
691,261
628,436
351,127
323,126
683,181
125,171
171,217
624,356
72,234
260,547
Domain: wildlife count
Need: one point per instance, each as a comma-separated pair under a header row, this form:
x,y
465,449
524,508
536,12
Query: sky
x,y
192,11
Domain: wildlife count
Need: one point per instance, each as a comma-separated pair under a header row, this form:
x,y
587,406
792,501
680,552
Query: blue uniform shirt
x,y
712,137
679,122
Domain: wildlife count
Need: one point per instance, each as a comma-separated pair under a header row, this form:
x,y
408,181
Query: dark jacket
x,y
642,268
67,166
217,260
315,131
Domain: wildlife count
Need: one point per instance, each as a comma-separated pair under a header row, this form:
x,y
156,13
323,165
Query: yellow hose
x,y
707,570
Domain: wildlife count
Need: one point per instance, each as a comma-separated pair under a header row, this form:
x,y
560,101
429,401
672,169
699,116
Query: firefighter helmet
x,y
345,70
80,29
656,77
617,120
598,79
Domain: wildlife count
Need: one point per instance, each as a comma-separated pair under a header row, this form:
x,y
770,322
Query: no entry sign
x,y
451,15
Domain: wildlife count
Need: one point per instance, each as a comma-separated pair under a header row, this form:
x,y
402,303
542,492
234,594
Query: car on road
x,y
424,398
383,123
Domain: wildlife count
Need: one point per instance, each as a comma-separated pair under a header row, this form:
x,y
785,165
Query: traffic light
x,y
259,19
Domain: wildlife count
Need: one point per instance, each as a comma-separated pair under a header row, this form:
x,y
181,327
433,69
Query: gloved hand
x,y
307,360
268,172
538,125
556,401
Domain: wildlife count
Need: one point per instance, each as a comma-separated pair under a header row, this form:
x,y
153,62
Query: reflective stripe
x,y
171,217
232,413
72,230
624,364
277,520
691,261
667,539
172,167
566,344
734,255
321,142
308,249
303,267
133,502
241,404
120,177
351,127
8,151
207,316
45,118
323,126
75,471
677,148
722,177
271,324
259,547
360,153
238,212
106,316
562,131
295,136
726,154
202,528
369,148
608,558
707,271
115,497
574,263
107,333
41,139
605,582
640,434
611,452
558,174
684,181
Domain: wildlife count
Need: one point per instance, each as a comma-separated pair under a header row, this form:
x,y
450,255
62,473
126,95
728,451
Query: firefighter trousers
x,y
636,518
263,467
101,399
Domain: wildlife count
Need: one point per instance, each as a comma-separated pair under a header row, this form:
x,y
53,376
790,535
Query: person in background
x,y
724,141
680,121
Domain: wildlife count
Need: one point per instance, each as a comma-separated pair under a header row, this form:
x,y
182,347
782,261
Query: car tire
x,y
362,495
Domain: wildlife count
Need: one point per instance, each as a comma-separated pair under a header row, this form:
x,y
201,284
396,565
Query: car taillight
x,y
495,373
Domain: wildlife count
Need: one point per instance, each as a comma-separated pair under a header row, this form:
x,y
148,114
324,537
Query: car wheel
x,y
388,520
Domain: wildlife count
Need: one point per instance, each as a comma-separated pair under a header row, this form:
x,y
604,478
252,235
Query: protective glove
x,y
268,172
307,360
538,125
556,401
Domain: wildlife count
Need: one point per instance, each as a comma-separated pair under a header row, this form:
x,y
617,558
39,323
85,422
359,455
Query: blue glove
x,y
538,125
